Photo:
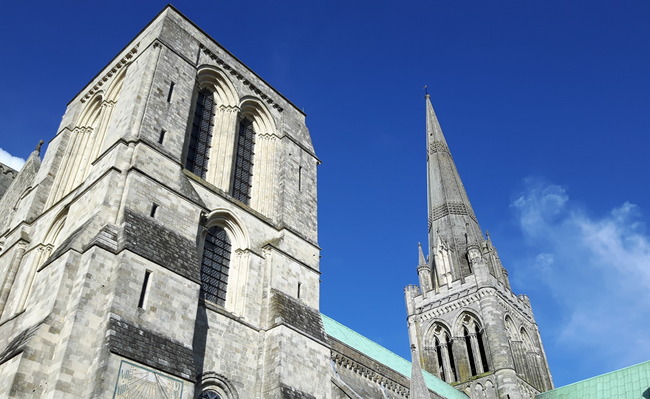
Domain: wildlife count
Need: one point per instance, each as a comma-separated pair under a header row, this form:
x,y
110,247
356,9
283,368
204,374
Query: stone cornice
x,y
344,361
107,76
241,78
467,297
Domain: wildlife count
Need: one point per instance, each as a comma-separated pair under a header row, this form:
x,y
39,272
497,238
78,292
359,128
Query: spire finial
x,y
426,91
38,147
421,259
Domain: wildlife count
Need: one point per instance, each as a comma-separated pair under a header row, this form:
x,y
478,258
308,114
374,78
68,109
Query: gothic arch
x,y
461,319
439,351
238,257
469,328
511,330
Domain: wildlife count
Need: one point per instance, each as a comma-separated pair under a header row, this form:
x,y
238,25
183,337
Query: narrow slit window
x,y
143,292
154,208
171,91
299,287
299,178
161,138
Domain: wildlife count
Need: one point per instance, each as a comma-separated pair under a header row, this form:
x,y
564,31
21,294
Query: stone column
x,y
478,361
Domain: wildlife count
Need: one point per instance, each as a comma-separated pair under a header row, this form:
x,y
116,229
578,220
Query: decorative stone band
x,y
366,372
467,298
450,208
108,75
240,77
437,146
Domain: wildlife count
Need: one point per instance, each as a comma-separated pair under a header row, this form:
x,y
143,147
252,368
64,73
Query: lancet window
x,y
215,265
243,165
444,354
474,345
198,150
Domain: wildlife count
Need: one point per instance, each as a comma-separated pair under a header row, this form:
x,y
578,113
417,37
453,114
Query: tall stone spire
x,y
452,223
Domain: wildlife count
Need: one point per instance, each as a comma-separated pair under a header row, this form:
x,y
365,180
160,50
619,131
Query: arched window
x,y
475,346
209,394
243,166
198,150
452,362
444,353
470,353
215,265
481,348
441,366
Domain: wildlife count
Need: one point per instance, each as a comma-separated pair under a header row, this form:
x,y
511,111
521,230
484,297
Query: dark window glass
x,y
470,354
243,168
209,395
452,362
198,150
215,266
441,365
481,349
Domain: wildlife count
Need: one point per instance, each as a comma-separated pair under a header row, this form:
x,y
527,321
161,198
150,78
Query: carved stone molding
x,y
358,368
241,78
438,147
118,66
450,208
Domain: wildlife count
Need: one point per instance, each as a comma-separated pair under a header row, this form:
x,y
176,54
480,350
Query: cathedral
x,y
166,246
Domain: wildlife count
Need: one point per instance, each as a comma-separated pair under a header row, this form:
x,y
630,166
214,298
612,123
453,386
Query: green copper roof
x,y
377,352
629,383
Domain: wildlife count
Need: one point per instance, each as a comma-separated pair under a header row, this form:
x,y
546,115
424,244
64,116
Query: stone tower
x,y
166,247
468,326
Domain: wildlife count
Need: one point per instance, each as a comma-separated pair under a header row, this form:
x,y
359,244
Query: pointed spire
x,y
418,388
434,131
451,217
421,259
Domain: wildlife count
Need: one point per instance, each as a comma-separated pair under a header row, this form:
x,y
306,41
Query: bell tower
x,y
466,324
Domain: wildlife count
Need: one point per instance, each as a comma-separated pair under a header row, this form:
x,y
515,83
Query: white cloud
x,y
10,160
596,268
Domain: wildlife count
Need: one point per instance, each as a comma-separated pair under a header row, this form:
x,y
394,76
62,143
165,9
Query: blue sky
x,y
544,105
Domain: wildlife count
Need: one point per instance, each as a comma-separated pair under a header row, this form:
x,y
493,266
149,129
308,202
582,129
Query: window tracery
x,y
443,348
474,344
